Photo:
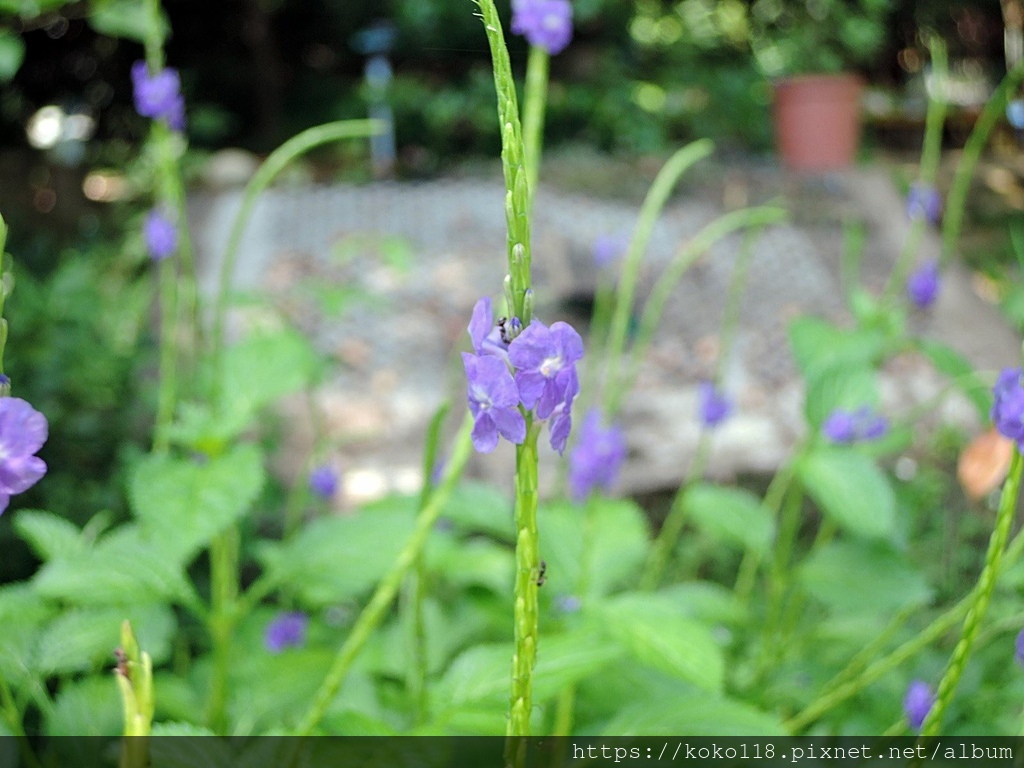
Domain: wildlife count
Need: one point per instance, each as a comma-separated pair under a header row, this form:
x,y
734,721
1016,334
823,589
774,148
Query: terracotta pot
x,y
817,121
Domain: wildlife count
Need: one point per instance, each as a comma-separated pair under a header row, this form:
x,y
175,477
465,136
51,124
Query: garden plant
x,y
816,607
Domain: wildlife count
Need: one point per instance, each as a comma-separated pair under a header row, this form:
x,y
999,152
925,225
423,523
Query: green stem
x,y
660,294
276,162
525,613
168,357
388,587
956,203
223,615
980,599
8,708
534,103
657,196
672,528
416,672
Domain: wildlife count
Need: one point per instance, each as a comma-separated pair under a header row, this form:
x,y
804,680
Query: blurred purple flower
x,y
1015,113
569,603
597,458
845,427
608,248
161,235
286,630
545,361
918,703
23,430
715,405
493,401
1008,406
1018,648
158,97
545,23
923,284
924,202
323,481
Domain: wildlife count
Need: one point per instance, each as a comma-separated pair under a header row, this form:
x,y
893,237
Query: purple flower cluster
x,y
1008,406
23,430
161,235
545,23
287,630
323,481
924,202
158,97
1018,648
918,703
597,458
715,405
608,248
923,284
534,367
846,427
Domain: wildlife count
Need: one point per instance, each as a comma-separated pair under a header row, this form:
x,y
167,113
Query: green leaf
x,y
479,676
124,568
730,514
184,504
12,53
89,707
817,345
693,716
851,489
477,562
706,601
951,363
864,577
339,558
655,633
839,386
82,639
49,535
481,508
22,615
264,367
620,539
130,19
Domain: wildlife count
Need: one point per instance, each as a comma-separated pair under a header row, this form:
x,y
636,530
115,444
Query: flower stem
x,y
224,595
980,599
388,587
956,202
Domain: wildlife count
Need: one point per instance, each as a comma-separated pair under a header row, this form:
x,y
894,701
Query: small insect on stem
x,y
542,573
122,663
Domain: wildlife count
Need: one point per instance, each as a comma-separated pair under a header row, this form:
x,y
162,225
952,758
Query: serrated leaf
x,y
81,639
730,514
124,568
849,387
339,558
184,504
951,363
620,540
863,577
262,368
89,707
693,716
652,630
851,489
476,507
476,562
49,535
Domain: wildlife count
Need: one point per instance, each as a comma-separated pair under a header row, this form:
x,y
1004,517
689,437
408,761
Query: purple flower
x,y
23,430
545,361
924,202
545,23
597,458
1015,113
1018,648
323,481
569,603
493,401
159,97
923,284
607,248
918,703
287,630
488,337
161,235
715,405
1008,406
846,427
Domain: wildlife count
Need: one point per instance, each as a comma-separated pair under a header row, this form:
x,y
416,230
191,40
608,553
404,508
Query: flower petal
x,y
485,433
